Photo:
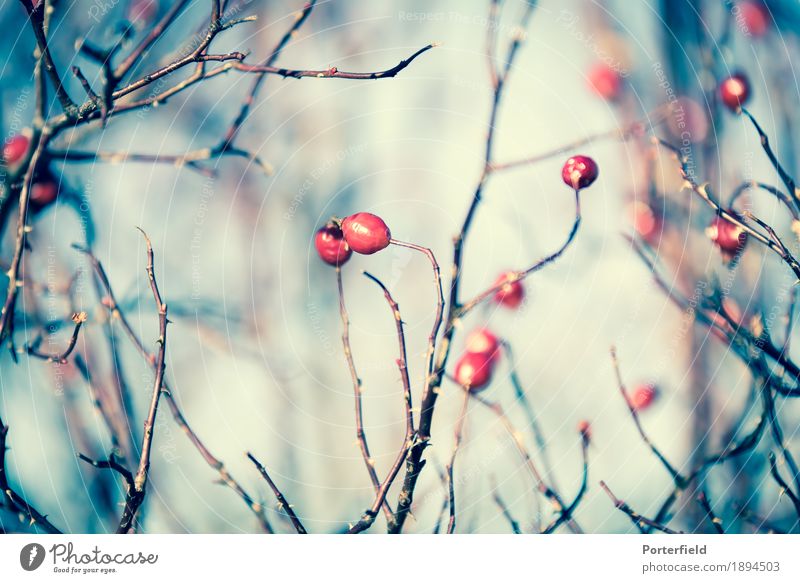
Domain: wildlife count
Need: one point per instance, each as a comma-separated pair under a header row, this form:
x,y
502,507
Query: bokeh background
x,y
254,351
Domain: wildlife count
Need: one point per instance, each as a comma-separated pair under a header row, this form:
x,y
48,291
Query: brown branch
x,y
520,275
155,33
282,503
60,358
742,342
332,72
14,279
190,159
457,437
382,491
369,516
14,500
705,193
637,519
676,476
561,518
111,463
784,175
244,110
415,462
361,435
533,422
498,500
437,319
709,513
136,495
116,314
788,202
785,488
547,491
36,17
402,362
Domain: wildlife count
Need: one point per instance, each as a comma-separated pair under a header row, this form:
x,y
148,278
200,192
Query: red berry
x,y
648,224
734,91
43,194
366,233
15,149
331,246
605,81
755,17
643,396
729,237
482,342
142,11
585,429
511,293
473,371
579,172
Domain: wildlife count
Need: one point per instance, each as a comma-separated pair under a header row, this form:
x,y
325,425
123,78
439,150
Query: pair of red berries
x,y
366,233
475,367
363,233
44,191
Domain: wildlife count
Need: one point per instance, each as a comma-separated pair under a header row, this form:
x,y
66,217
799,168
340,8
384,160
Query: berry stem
x,y
520,275
457,438
437,320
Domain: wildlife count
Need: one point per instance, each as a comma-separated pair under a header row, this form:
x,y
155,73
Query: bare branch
x,y
282,503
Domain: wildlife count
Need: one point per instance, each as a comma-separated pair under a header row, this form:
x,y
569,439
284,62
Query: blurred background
x,y
254,355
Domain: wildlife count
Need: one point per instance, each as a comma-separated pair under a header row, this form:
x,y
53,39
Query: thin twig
x,y
361,435
561,518
116,314
498,500
457,437
402,362
111,463
136,494
332,72
282,502
416,462
637,519
785,488
79,319
677,477
14,500
709,513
